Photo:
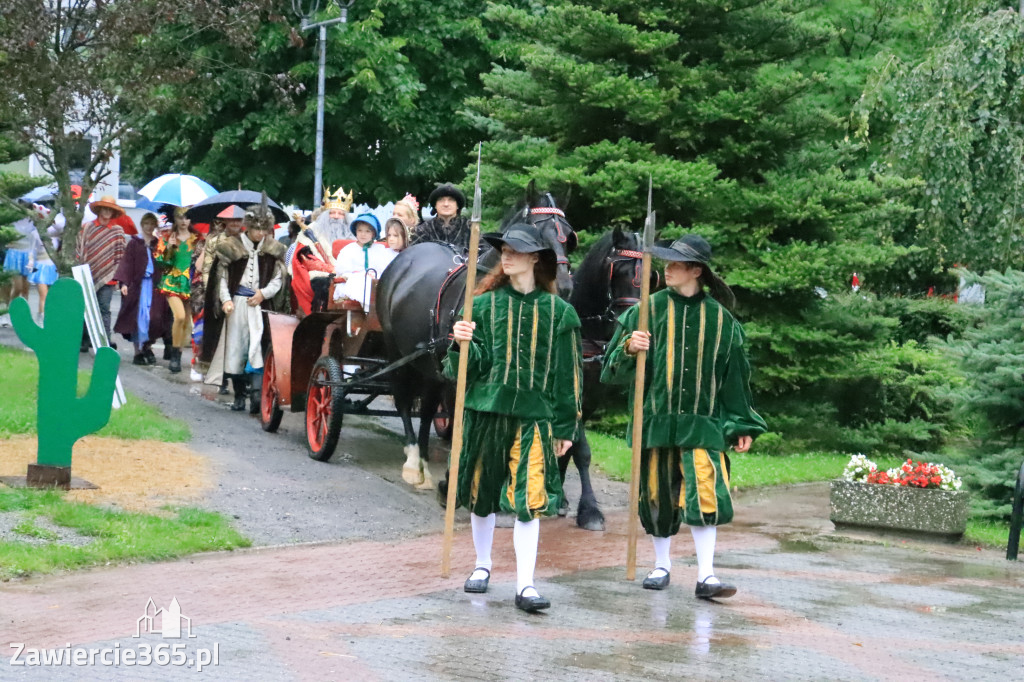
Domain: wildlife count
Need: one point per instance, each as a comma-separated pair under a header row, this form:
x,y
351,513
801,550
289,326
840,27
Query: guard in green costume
x,y
696,404
523,402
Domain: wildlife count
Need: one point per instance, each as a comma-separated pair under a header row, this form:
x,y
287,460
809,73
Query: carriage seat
x,y
340,244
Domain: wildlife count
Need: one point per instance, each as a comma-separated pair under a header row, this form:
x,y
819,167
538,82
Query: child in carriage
x,y
397,235
362,260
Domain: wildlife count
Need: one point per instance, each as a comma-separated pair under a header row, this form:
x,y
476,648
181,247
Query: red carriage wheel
x,y
324,408
270,403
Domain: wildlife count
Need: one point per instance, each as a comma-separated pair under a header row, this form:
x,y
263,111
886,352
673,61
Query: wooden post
x,y
460,386
638,391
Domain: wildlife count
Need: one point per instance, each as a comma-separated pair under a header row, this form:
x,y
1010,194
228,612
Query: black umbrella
x,y
207,209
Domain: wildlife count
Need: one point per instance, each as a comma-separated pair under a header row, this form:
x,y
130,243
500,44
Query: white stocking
x,y
704,544
525,538
662,553
483,538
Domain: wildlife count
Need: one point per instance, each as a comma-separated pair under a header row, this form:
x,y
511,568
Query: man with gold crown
x,y
332,223
312,263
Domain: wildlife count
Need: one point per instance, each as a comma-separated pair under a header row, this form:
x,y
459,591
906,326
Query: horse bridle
x,y
554,214
613,258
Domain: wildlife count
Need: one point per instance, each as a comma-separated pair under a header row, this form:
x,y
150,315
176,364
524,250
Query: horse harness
x,y
558,216
614,257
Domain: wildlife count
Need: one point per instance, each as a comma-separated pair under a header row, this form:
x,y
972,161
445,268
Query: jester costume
x,y
696,403
524,386
177,263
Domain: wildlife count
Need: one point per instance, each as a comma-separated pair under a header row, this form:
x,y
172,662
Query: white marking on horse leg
x,y
412,470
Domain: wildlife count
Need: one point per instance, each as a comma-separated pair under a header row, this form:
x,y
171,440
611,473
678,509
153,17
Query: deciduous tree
x,y
77,70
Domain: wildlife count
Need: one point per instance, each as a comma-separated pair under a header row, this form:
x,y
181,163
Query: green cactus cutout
x,y
64,417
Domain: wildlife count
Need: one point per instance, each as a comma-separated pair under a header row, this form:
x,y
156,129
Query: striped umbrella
x,y
177,190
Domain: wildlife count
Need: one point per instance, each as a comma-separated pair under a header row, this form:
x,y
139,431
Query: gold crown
x,y
338,199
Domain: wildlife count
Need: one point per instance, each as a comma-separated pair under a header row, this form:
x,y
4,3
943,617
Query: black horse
x,y
418,298
605,284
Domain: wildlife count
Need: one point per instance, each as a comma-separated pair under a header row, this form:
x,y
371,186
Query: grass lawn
x,y
104,536
749,470
47,532
613,457
19,380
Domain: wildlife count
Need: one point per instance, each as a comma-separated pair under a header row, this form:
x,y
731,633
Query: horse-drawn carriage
x,y
327,364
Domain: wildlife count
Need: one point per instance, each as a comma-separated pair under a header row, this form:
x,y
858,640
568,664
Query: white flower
x,y
858,468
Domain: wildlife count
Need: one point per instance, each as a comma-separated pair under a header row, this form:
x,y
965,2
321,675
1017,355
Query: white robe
x,y
243,329
352,263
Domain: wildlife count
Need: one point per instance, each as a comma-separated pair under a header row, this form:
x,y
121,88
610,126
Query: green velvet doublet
x,y
524,391
697,389
696,403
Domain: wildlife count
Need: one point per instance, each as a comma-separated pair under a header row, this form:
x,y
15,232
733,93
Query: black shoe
x,y
531,604
149,357
140,359
223,390
656,582
713,590
442,493
477,586
240,391
255,388
174,366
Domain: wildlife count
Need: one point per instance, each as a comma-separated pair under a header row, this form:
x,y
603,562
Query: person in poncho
x,y
101,246
523,402
696,404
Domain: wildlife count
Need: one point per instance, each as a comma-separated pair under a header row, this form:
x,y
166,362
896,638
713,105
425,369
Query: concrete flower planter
x,y
930,512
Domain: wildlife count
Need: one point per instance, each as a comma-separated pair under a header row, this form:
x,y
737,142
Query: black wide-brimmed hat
x,y
690,248
519,237
447,190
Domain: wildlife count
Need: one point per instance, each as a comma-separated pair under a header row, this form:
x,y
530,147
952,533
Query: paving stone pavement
x,y
812,605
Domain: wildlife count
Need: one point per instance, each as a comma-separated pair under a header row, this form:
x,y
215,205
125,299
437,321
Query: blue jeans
x,y
103,296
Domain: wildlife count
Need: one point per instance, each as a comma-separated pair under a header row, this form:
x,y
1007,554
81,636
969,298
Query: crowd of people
x,y
182,283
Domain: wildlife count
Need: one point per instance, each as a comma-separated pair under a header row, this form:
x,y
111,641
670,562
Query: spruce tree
x,y
991,356
709,98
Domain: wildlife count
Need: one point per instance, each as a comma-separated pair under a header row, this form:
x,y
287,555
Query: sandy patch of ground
x,y
139,475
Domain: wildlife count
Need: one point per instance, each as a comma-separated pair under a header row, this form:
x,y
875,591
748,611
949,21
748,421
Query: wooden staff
x,y
460,386
638,390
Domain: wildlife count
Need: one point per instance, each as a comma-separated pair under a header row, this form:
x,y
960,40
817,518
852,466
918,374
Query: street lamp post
x,y
306,11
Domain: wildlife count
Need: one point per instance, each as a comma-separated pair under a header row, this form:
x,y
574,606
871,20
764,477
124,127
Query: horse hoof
x,y
427,483
590,520
563,509
412,475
